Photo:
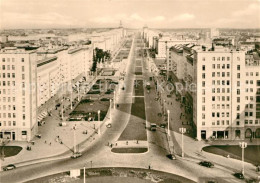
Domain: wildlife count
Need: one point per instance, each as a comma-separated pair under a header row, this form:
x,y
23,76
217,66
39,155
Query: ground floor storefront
x,y
21,134
228,133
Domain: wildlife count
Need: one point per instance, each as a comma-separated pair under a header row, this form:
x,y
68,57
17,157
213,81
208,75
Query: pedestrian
x,y
111,145
45,142
137,141
126,142
149,167
50,143
116,144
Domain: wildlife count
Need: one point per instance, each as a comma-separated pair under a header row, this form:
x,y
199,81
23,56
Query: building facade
x,y
18,105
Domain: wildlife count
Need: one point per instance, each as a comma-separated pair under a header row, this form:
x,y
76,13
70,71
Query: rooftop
x,y
46,61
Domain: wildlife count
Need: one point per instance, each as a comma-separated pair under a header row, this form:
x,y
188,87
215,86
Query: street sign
x,y
182,130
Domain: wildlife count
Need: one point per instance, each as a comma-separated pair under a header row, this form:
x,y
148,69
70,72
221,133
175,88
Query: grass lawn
x,y
10,150
252,152
87,106
129,150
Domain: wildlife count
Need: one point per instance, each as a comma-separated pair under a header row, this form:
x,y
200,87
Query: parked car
x,y
85,132
206,164
76,155
9,167
38,135
239,175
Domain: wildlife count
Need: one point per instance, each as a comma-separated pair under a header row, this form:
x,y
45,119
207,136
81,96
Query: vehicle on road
x,y
109,125
85,132
206,164
9,167
76,155
148,86
170,156
163,125
38,135
239,175
153,127
65,124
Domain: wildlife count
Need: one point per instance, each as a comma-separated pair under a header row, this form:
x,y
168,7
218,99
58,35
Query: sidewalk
x,y
49,146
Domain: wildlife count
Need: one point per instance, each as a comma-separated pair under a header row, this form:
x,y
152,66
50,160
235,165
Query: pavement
x,y
192,148
48,147
99,154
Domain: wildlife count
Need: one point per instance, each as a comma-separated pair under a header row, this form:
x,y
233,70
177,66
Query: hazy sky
x,y
133,13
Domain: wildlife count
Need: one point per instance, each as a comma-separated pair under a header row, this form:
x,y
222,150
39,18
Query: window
x,y
228,66
238,115
13,67
218,66
23,116
203,67
223,74
238,107
13,75
246,114
213,66
203,75
238,67
228,74
3,59
238,91
213,74
213,58
203,99
238,75
238,123
228,58
22,68
238,99
223,58
213,98
22,59
257,73
23,76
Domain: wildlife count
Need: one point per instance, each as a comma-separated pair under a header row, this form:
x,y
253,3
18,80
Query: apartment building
x,y
226,102
18,96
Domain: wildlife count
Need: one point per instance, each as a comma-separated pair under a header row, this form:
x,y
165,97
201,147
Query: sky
x,y
18,14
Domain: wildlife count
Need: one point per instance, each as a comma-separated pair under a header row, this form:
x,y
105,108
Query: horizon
x,y
168,14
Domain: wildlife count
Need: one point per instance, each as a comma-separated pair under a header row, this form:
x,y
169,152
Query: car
x,y
9,167
163,125
206,164
76,155
239,175
38,135
109,125
170,156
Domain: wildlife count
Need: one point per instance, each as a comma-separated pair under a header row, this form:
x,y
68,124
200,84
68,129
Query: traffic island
x,y
116,175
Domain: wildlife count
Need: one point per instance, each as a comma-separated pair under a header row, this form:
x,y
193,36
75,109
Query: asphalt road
x,y
101,155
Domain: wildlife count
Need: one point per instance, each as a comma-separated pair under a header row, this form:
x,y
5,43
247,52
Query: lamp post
x,y
243,145
182,130
168,111
99,131
110,113
78,91
71,96
74,136
62,106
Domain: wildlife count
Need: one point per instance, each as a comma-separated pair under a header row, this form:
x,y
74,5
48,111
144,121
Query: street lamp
x,y
84,174
168,111
99,131
110,113
182,130
74,135
243,145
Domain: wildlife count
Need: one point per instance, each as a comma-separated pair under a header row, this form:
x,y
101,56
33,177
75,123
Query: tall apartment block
x,y
18,96
226,101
